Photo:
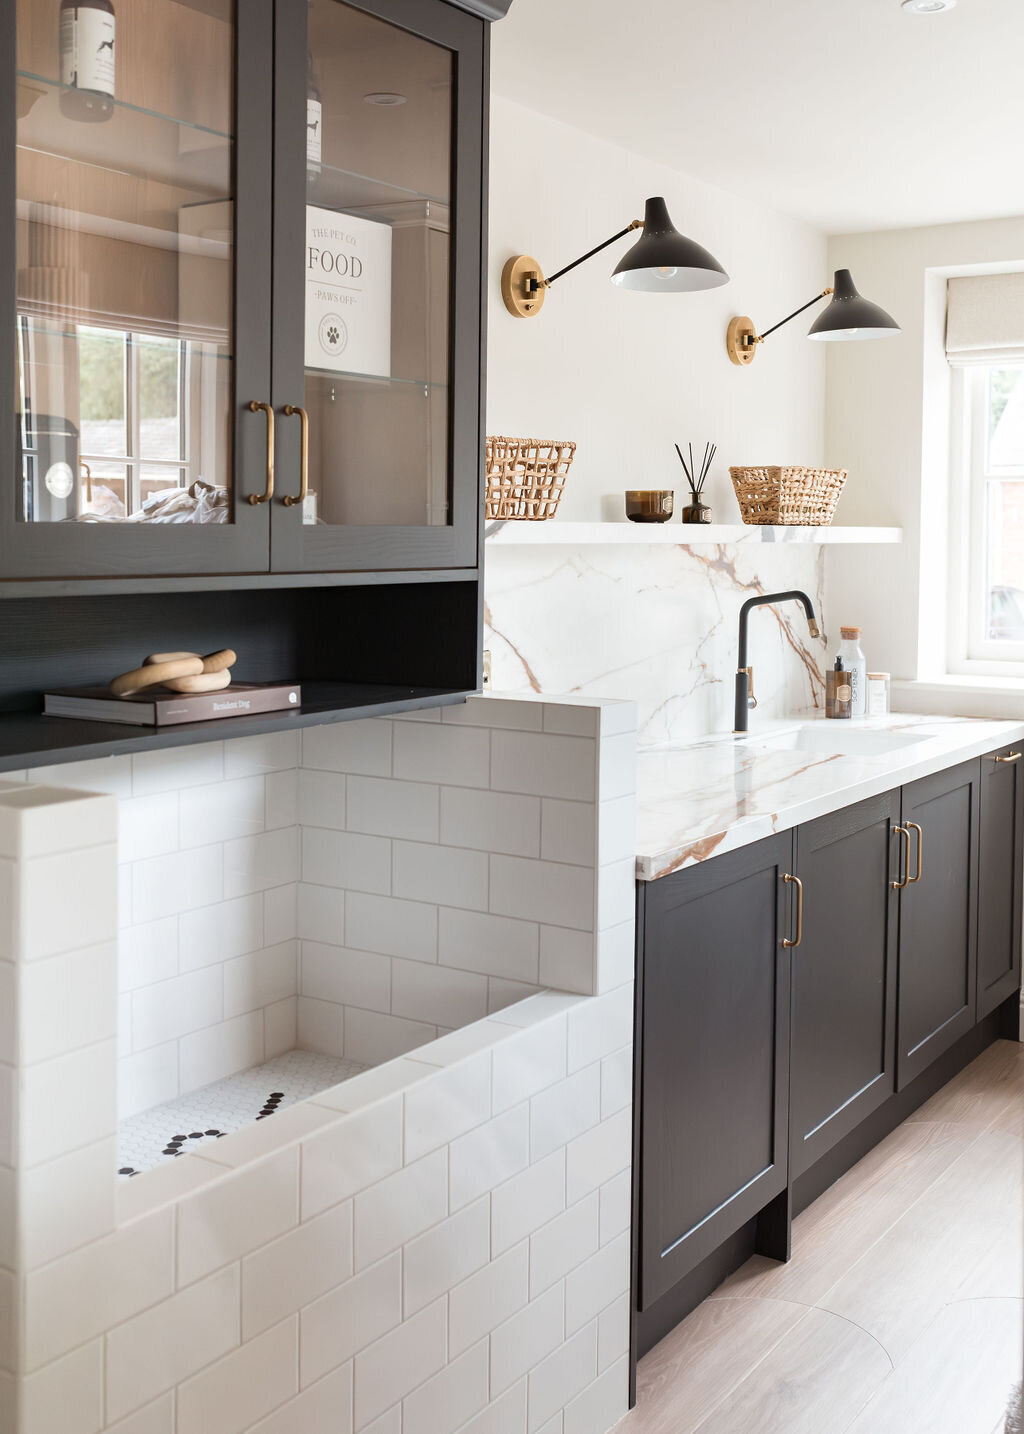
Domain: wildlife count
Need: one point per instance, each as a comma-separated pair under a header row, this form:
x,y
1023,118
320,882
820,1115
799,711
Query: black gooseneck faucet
x,y
745,698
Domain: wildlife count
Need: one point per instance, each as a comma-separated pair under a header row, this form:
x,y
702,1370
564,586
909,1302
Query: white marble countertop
x,y
697,801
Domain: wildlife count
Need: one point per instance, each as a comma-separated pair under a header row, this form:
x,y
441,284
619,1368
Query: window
x,y
133,440
133,437
987,604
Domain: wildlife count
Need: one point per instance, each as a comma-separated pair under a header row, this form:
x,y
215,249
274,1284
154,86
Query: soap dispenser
x,y
838,693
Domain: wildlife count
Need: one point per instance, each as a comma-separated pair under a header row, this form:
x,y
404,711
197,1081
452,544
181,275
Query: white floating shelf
x,y
572,535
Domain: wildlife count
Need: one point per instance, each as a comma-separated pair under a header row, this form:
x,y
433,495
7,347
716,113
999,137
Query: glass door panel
x,y
126,178
377,206
390,146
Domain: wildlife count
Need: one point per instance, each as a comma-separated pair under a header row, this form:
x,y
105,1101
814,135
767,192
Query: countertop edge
x,y
652,866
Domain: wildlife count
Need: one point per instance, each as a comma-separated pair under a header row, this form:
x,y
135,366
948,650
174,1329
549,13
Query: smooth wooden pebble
x,y
205,682
140,678
218,661
156,657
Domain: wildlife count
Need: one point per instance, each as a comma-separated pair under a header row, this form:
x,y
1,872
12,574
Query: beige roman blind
x,y
985,319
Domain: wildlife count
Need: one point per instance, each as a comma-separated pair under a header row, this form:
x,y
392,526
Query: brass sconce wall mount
x,y
848,316
661,261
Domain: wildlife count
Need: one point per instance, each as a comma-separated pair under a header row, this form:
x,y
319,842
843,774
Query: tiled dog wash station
x,y
361,996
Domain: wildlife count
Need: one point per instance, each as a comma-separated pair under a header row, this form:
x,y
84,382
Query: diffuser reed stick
x,y
697,484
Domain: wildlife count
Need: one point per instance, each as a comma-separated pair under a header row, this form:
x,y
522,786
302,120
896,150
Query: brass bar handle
x,y
1010,757
795,881
899,885
288,500
268,492
920,850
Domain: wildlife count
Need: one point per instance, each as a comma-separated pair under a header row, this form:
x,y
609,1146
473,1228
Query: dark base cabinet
x,y
715,1065
1001,857
844,976
938,917
797,999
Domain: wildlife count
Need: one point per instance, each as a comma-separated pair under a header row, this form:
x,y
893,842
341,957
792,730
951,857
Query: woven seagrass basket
x,y
789,497
525,477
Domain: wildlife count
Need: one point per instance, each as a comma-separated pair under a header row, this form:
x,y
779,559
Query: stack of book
x,y
157,708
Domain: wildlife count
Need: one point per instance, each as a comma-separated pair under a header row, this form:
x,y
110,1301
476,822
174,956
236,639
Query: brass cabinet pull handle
x,y
1010,757
905,834
920,850
795,881
268,492
288,500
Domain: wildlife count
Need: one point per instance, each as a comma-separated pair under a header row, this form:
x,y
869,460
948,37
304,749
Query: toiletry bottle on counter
x,y
856,667
878,694
838,693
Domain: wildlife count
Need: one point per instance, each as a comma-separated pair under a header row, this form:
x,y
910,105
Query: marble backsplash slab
x,y
659,626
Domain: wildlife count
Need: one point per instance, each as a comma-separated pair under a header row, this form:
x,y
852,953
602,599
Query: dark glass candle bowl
x,y
649,505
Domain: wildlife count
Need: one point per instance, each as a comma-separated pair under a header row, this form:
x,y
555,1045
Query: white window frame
x,y
179,470
970,651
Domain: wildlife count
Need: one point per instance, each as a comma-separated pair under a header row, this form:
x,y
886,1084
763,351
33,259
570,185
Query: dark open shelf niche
x,y
357,652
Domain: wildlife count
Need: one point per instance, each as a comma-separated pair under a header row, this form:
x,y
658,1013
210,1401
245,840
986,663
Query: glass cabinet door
x,y
377,284
136,214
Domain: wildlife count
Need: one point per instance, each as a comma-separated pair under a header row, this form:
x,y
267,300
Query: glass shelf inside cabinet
x,y
347,192
137,142
329,375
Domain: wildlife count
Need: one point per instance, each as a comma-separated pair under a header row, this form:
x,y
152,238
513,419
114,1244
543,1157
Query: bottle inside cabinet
x,y
378,261
124,334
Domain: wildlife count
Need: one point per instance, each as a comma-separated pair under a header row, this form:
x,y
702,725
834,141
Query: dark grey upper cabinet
x,y
938,917
270,204
487,9
714,1054
378,283
844,975
134,255
1001,861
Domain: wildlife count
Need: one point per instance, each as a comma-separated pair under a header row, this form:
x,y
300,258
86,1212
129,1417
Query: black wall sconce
x,y
848,316
662,261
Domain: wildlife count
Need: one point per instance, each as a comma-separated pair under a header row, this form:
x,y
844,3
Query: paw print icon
x,y
332,334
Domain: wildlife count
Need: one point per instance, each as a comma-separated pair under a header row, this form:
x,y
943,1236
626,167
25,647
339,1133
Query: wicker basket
x,y
525,476
789,497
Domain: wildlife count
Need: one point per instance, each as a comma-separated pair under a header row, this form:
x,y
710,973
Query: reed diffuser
x,y
696,511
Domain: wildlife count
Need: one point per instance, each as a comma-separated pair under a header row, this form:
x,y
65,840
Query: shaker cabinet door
x,y
938,917
1000,871
135,243
844,975
379,145
714,1073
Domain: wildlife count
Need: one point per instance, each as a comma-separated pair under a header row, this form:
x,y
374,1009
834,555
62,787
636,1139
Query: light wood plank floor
x,y
902,1310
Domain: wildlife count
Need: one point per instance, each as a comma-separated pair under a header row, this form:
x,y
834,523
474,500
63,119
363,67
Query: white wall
x,y
887,422
626,374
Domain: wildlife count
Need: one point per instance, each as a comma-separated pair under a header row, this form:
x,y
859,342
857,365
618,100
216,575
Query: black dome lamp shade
x,y
662,261
848,316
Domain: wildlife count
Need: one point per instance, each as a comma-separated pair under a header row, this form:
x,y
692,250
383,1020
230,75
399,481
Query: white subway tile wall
x,y
453,862
208,851
439,1246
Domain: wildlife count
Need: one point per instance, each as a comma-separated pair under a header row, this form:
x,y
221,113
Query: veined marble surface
x,y
658,626
709,797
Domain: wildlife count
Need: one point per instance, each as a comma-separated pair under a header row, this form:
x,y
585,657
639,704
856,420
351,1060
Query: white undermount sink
x,y
838,738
